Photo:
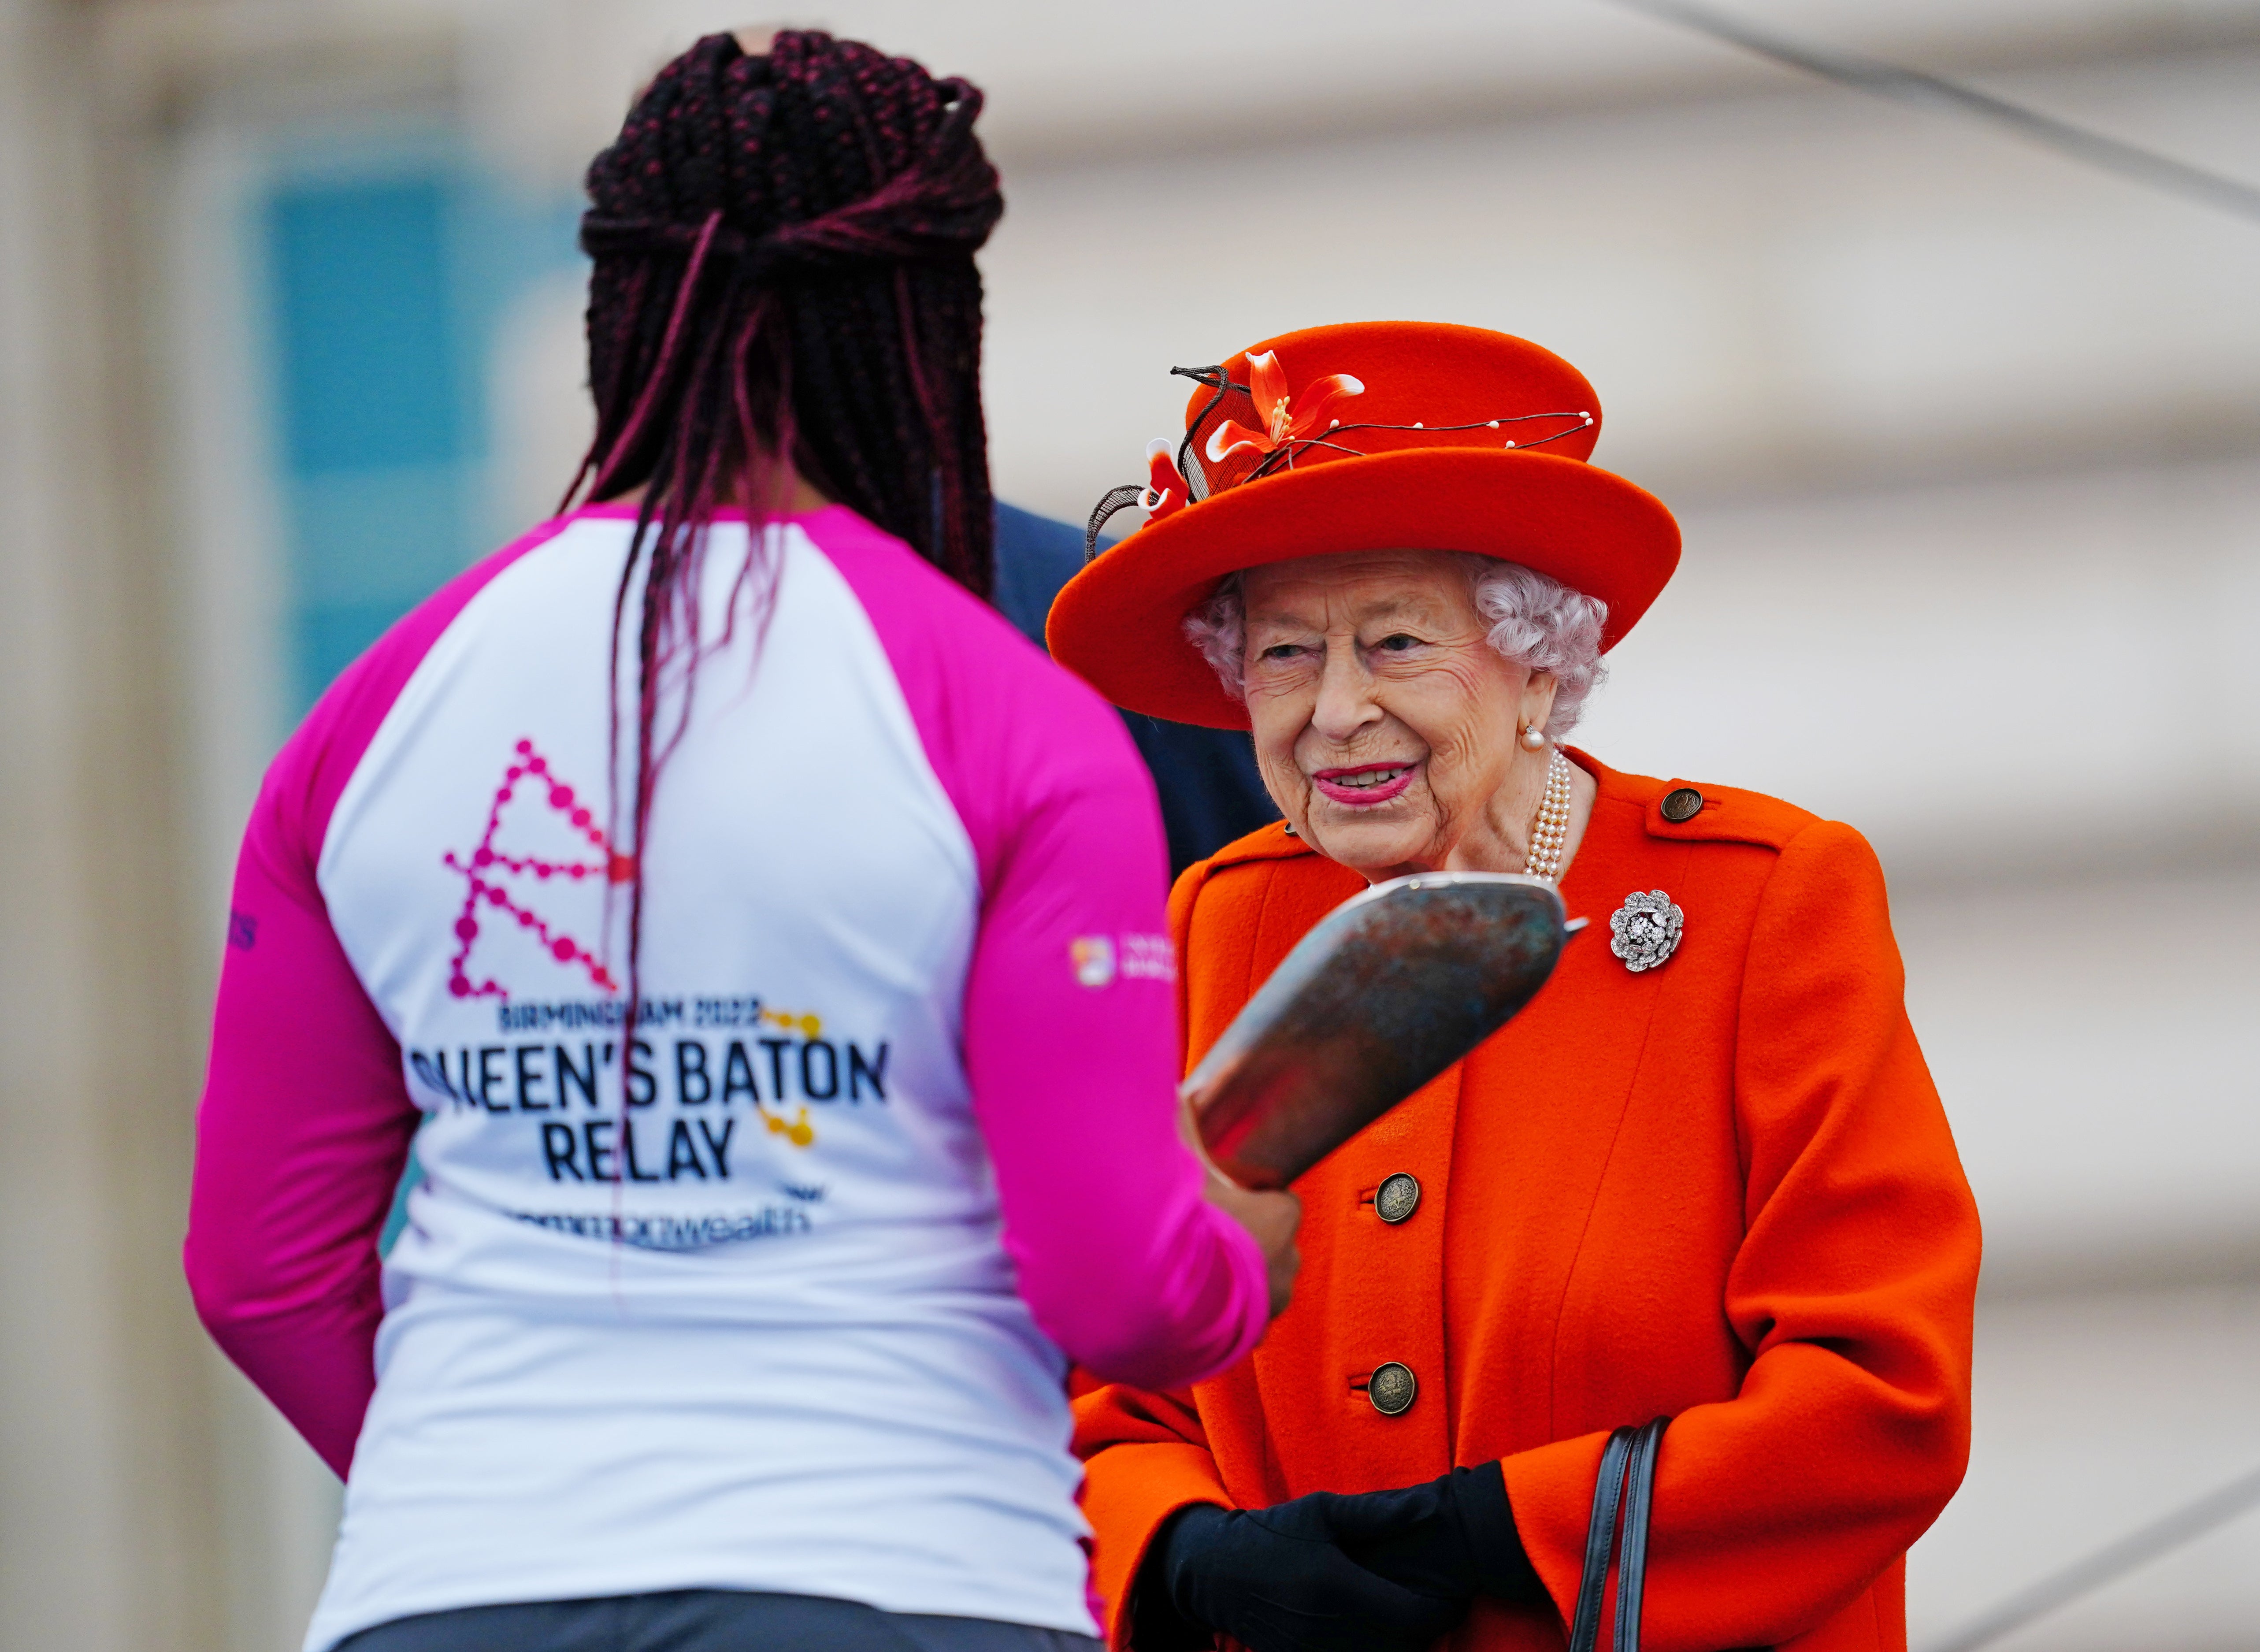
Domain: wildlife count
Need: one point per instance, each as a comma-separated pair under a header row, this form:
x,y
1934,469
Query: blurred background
x,y
1965,439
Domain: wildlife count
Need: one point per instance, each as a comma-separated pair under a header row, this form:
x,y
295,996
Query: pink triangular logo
x,y
542,841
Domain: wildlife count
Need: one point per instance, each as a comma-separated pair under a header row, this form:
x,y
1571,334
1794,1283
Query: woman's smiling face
x,y
1385,725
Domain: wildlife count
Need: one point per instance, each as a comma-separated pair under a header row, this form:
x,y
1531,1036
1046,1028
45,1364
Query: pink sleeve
x,y
305,1121
301,1138
1070,1007
1071,1048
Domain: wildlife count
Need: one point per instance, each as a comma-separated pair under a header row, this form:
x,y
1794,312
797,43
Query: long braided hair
x,y
783,274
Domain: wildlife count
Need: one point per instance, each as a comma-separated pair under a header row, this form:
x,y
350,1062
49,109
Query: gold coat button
x,y
1396,1198
1683,805
1391,1388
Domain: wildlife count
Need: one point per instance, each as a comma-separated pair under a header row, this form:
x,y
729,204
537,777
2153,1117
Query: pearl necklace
x,y
1550,831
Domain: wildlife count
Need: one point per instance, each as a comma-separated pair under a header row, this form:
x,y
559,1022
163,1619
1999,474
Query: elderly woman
x,y
1704,1176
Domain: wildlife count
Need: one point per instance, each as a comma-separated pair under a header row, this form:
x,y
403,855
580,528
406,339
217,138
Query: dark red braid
x,y
784,269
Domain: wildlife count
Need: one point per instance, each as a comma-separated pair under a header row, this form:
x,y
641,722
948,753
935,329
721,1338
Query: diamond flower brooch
x,y
1645,930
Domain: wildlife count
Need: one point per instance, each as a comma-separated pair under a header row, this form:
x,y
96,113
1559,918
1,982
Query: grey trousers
x,y
703,1621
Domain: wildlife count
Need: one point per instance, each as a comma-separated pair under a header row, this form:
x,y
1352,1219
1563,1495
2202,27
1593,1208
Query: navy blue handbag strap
x,y
1627,1477
1632,1558
1600,1537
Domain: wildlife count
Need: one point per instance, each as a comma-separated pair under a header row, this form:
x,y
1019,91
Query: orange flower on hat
x,y
1165,493
1282,425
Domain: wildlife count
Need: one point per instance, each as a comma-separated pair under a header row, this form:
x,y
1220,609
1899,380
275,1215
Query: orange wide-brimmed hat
x,y
1377,435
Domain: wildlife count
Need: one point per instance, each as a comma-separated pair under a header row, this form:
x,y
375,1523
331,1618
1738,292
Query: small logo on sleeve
x,y
1099,959
1094,958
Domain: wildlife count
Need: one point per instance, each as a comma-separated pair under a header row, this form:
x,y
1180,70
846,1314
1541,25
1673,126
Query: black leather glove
x,y
1468,1547
1277,1578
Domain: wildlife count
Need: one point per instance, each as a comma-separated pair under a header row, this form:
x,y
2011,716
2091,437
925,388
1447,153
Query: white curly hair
x,y
1537,622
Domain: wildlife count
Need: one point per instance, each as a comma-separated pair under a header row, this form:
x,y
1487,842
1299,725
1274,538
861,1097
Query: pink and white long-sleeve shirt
x,y
774,1290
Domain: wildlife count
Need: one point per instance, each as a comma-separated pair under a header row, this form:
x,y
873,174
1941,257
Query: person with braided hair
x,y
764,944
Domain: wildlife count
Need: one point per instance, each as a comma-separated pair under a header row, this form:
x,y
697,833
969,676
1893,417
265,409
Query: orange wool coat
x,y
1722,1189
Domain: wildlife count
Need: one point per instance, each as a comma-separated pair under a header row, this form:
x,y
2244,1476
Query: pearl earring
x,y
1534,739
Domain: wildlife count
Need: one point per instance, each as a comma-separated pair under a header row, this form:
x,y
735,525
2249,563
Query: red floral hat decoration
x,y
1381,435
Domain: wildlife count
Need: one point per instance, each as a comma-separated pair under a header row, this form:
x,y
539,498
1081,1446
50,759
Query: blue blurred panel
x,y
367,546
394,535
330,638
368,358
386,286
